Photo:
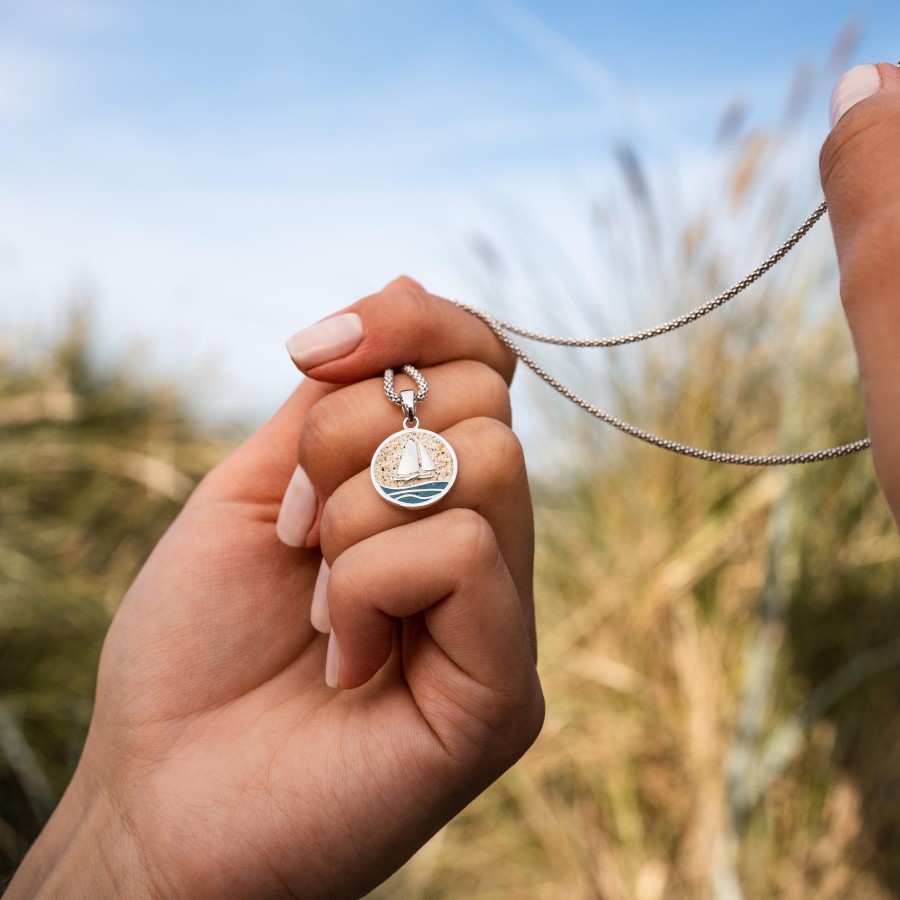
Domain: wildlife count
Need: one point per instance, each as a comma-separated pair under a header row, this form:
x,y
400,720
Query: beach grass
x,y
718,645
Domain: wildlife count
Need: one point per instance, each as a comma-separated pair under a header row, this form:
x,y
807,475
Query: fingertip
x,y
860,83
318,614
854,85
398,325
326,341
366,632
856,163
333,662
297,511
359,664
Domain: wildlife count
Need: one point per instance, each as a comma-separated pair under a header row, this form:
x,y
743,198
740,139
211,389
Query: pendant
x,y
413,467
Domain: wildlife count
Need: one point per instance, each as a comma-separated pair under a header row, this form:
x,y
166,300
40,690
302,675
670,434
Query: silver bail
x,y
408,404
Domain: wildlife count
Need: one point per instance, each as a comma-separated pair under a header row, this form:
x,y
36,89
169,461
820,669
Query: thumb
x,y
861,180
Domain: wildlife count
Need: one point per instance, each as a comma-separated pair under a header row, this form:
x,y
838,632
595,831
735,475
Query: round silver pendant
x,y
413,468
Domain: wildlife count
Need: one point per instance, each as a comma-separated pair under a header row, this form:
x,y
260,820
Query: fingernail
x,y
298,510
332,662
325,341
318,613
854,85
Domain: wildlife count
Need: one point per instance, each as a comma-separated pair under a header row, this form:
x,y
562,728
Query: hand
x,y
219,763
860,167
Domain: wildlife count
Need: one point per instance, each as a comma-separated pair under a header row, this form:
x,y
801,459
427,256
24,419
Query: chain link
x,y
681,321
502,329
416,376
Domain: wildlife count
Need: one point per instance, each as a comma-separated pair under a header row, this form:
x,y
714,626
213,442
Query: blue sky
x,y
217,175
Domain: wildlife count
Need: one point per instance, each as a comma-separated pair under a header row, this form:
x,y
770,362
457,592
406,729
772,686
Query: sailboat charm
x,y
416,462
413,467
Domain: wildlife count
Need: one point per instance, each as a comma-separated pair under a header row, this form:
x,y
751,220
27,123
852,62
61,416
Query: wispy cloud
x,y
554,49
614,99
227,172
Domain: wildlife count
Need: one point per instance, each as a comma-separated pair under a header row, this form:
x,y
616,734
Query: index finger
x,y
399,325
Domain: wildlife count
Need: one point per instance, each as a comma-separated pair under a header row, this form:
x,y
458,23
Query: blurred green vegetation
x,y
720,654
719,646
94,465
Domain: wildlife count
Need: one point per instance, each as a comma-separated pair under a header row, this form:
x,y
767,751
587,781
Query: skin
x,y
861,179
218,763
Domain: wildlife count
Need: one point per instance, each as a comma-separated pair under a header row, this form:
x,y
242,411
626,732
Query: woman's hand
x,y
219,763
860,166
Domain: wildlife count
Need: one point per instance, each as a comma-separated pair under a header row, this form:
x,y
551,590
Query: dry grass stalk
x,y
684,623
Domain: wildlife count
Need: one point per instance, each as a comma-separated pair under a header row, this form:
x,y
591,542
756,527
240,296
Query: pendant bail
x,y
408,404
412,468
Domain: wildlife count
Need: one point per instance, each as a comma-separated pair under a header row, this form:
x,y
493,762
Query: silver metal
x,y
408,404
414,467
503,329
426,480
416,376
673,324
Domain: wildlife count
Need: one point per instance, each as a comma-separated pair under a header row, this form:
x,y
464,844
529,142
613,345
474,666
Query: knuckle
x,y
523,715
410,311
419,309
501,460
513,719
327,419
414,298
471,537
490,386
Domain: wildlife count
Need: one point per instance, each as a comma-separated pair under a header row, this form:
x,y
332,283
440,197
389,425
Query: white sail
x,y
409,462
426,466
415,462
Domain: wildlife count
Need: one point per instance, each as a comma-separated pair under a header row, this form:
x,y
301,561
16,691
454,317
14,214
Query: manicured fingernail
x,y
332,662
325,341
298,510
857,84
318,613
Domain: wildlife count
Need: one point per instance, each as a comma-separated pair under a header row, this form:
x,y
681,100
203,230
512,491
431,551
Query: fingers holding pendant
x,y
342,431
492,481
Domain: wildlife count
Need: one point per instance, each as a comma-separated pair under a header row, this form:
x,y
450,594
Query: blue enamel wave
x,y
421,493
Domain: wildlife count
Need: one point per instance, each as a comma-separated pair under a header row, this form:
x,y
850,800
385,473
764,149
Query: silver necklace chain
x,y
416,376
503,329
